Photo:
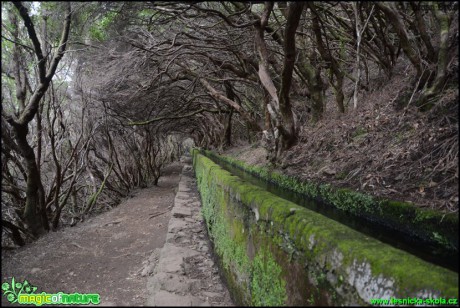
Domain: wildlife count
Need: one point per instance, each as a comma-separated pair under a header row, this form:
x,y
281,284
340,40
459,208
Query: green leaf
x,y
13,285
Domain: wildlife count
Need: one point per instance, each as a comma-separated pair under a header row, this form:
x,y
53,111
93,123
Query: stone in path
x,y
186,274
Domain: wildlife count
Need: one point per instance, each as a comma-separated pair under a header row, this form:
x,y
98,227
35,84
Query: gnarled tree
x,y
34,212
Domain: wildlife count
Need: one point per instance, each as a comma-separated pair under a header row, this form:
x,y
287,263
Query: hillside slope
x,y
387,147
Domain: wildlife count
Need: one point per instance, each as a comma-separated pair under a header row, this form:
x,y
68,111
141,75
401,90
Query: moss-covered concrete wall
x,y
435,229
273,252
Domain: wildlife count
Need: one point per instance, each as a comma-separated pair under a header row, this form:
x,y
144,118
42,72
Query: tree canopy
x,y
98,96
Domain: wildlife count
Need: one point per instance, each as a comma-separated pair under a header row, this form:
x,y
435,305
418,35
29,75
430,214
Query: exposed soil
x,y
387,148
106,254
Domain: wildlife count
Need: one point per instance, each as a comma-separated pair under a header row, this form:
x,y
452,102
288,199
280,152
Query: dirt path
x,y
184,271
106,254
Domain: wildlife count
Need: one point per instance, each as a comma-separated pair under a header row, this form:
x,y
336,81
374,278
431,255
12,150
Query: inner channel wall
x,y
274,252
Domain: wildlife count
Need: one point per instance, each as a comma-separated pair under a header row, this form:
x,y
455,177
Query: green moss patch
x,y
261,239
430,227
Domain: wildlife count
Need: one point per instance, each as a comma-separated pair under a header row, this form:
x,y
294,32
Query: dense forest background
x,y
98,96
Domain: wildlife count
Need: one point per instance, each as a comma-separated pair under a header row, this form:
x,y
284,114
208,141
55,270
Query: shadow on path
x,y
105,254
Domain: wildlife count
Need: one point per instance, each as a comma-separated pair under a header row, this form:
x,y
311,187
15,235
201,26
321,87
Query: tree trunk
x,y
358,54
331,62
279,107
32,212
228,118
288,128
315,86
228,129
410,49
15,234
339,97
317,98
443,59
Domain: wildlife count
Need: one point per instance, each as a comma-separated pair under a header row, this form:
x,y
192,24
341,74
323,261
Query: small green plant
x,y
311,300
442,240
399,137
359,131
341,175
268,288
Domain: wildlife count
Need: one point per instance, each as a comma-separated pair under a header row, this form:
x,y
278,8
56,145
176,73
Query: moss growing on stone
x,y
230,235
331,256
431,227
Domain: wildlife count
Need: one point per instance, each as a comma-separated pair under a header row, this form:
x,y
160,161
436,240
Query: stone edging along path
x,y
183,272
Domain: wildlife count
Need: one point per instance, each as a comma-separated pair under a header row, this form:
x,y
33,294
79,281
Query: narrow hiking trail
x,y
108,254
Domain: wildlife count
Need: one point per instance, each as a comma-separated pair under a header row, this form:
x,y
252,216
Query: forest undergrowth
x,y
388,149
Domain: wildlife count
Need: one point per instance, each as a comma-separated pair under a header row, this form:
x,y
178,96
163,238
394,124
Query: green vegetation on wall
x,y
268,289
434,228
274,252
255,282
